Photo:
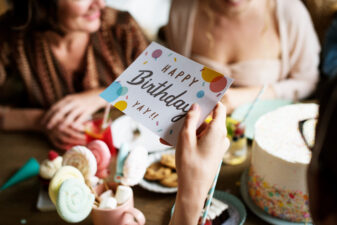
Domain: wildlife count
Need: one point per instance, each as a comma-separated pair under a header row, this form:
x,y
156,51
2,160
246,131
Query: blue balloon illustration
x,y
200,94
112,92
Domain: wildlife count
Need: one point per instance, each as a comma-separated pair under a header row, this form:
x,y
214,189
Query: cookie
x,y
170,181
168,160
156,171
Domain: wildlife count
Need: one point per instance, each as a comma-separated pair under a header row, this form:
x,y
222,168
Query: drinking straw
x,y
210,196
253,104
105,117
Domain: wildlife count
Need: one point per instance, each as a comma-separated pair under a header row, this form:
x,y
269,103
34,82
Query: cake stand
x,y
258,211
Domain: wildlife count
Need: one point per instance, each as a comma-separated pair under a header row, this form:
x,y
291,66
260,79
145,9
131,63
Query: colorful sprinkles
x,y
287,205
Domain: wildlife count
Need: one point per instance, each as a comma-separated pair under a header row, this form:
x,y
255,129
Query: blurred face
x,y
80,15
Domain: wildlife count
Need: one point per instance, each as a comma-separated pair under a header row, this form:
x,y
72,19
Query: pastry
x,y
168,160
170,180
156,171
74,200
81,158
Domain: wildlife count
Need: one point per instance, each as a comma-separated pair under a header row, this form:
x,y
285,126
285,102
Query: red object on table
x,y
93,131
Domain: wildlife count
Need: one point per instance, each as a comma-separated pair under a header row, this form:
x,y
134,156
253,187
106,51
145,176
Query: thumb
x,y
190,125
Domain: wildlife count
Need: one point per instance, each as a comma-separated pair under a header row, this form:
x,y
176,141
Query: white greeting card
x,y
160,86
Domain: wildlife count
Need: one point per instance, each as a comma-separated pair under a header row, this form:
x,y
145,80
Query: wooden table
x,y
18,203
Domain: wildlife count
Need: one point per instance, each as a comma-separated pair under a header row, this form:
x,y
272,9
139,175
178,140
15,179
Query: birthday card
x,y
159,88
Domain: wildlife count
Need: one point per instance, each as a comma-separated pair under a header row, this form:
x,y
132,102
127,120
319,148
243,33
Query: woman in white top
x,y
256,42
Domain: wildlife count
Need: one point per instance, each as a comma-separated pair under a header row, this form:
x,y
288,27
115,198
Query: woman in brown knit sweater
x,y
56,57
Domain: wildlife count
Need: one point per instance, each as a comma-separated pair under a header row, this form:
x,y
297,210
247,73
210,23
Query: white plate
x,y
44,203
123,132
154,185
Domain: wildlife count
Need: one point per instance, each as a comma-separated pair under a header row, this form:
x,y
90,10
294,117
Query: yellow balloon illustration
x,y
121,105
208,75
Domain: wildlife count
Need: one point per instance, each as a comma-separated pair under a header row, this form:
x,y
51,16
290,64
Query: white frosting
x,y
48,167
279,154
278,133
309,128
135,166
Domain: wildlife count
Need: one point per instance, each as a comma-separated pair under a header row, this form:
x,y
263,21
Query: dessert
x,y
74,201
168,160
217,213
108,203
123,194
170,180
134,166
156,171
64,173
237,152
81,158
102,155
280,157
49,166
130,165
163,171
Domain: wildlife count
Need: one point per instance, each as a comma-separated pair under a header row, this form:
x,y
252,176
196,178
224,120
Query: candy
x,y
102,155
93,181
106,194
81,158
108,203
63,174
74,201
123,194
135,166
52,155
102,173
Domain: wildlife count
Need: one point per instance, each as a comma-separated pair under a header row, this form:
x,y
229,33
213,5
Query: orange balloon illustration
x,y
208,75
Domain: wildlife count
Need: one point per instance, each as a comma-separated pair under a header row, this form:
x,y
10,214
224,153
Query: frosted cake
x,y
277,176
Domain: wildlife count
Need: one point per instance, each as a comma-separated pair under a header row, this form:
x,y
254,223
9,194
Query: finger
x,y
71,117
202,127
164,142
219,119
59,114
72,133
71,141
58,144
188,132
79,121
54,108
78,127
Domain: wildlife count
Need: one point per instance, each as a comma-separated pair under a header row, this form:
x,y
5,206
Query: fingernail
x,y
194,107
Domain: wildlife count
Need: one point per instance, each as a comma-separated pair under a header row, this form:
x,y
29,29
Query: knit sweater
x,y
30,75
